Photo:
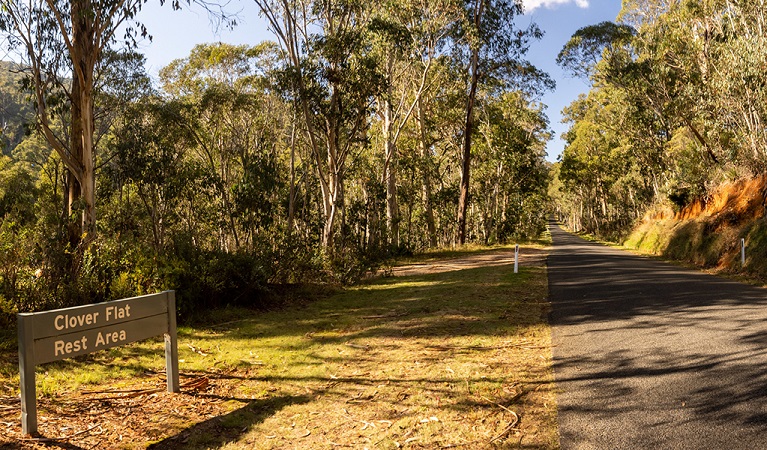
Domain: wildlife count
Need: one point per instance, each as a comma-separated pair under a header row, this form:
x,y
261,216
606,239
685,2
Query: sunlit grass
x,y
430,360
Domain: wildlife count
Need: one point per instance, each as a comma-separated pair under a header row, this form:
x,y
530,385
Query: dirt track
x,y
535,257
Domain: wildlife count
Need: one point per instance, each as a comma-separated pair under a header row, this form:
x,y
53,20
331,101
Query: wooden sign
x,y
63,333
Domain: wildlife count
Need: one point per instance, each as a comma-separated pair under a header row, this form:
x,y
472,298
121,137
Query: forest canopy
x,y
365,130
677,106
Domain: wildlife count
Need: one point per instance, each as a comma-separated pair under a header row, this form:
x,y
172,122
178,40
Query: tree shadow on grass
x,y
392,315
221,430
442,304
447,304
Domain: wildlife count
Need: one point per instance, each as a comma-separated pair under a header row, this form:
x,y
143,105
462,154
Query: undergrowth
x,y
431,360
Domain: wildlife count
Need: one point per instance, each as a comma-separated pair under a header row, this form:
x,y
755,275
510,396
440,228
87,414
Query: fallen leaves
x,y
103,418
419,364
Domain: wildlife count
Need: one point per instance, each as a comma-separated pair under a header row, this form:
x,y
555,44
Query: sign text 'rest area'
x,y
70,323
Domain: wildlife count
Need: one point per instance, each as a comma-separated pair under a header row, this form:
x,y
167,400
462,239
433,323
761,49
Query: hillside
x,y
708,232
15,110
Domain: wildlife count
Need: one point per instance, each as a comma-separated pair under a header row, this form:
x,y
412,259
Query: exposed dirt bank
x,y
708,232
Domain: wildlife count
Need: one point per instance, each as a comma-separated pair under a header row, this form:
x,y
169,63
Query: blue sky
x,y
559,19
175,33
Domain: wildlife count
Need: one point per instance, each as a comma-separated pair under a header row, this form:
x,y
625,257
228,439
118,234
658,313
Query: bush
x,y
209,280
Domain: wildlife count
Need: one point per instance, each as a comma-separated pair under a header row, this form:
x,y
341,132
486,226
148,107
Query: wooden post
x,y
516,258
171,345
49,336
27,375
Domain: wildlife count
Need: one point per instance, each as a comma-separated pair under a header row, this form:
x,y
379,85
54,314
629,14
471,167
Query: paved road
x,y
651,356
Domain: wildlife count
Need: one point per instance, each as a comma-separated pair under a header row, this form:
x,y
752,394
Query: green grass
x,y
438,254
429,360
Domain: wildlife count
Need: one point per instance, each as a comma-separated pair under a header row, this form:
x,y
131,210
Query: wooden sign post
x,y
63,333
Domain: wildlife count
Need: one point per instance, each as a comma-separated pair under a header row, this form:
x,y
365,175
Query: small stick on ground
x,y
506,430
362,347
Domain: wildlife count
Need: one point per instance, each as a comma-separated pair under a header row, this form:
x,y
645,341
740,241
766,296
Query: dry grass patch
x,y
434,359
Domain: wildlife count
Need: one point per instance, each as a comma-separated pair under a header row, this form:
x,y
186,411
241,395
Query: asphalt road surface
x,y
648,355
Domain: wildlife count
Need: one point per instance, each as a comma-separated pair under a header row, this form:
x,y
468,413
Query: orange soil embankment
x,y
708,231
741,199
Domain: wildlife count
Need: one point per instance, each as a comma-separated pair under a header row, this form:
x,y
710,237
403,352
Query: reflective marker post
x,y
516,258
742,252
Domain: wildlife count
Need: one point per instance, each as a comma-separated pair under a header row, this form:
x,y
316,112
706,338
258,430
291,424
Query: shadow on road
x,y
595,283
650,355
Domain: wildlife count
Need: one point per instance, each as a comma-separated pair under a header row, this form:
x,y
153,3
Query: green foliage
x,y
510,174
676,107
253,166
502,45
756,242
209,280
588,45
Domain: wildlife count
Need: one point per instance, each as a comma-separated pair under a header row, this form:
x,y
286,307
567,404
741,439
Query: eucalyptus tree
x,y
429,154
492,49
588,46
610,55
510,172
732,60
591,160
235,125
59,41
671,74
150,165
424,79
333,79
708,58
616,160
61,45
407,38
647,106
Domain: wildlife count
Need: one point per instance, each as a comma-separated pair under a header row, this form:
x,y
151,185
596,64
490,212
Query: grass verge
x,y
441,359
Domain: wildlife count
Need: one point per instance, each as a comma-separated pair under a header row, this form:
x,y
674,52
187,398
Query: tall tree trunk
x,y
463,199
392,204
73,189
426,177
84,54
292,194
88,183
331,192
390,173
495,215
328,229
341,206
71,196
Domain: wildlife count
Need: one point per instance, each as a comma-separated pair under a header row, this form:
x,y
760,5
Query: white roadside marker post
x,y
742,252
516,258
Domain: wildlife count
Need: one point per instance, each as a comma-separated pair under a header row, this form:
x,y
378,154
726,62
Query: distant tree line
x,y
678,104
367,130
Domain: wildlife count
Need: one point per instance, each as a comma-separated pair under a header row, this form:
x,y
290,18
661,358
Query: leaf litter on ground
x,y
451,353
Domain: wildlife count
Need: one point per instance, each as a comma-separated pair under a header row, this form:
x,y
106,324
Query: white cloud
x,y
531,5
